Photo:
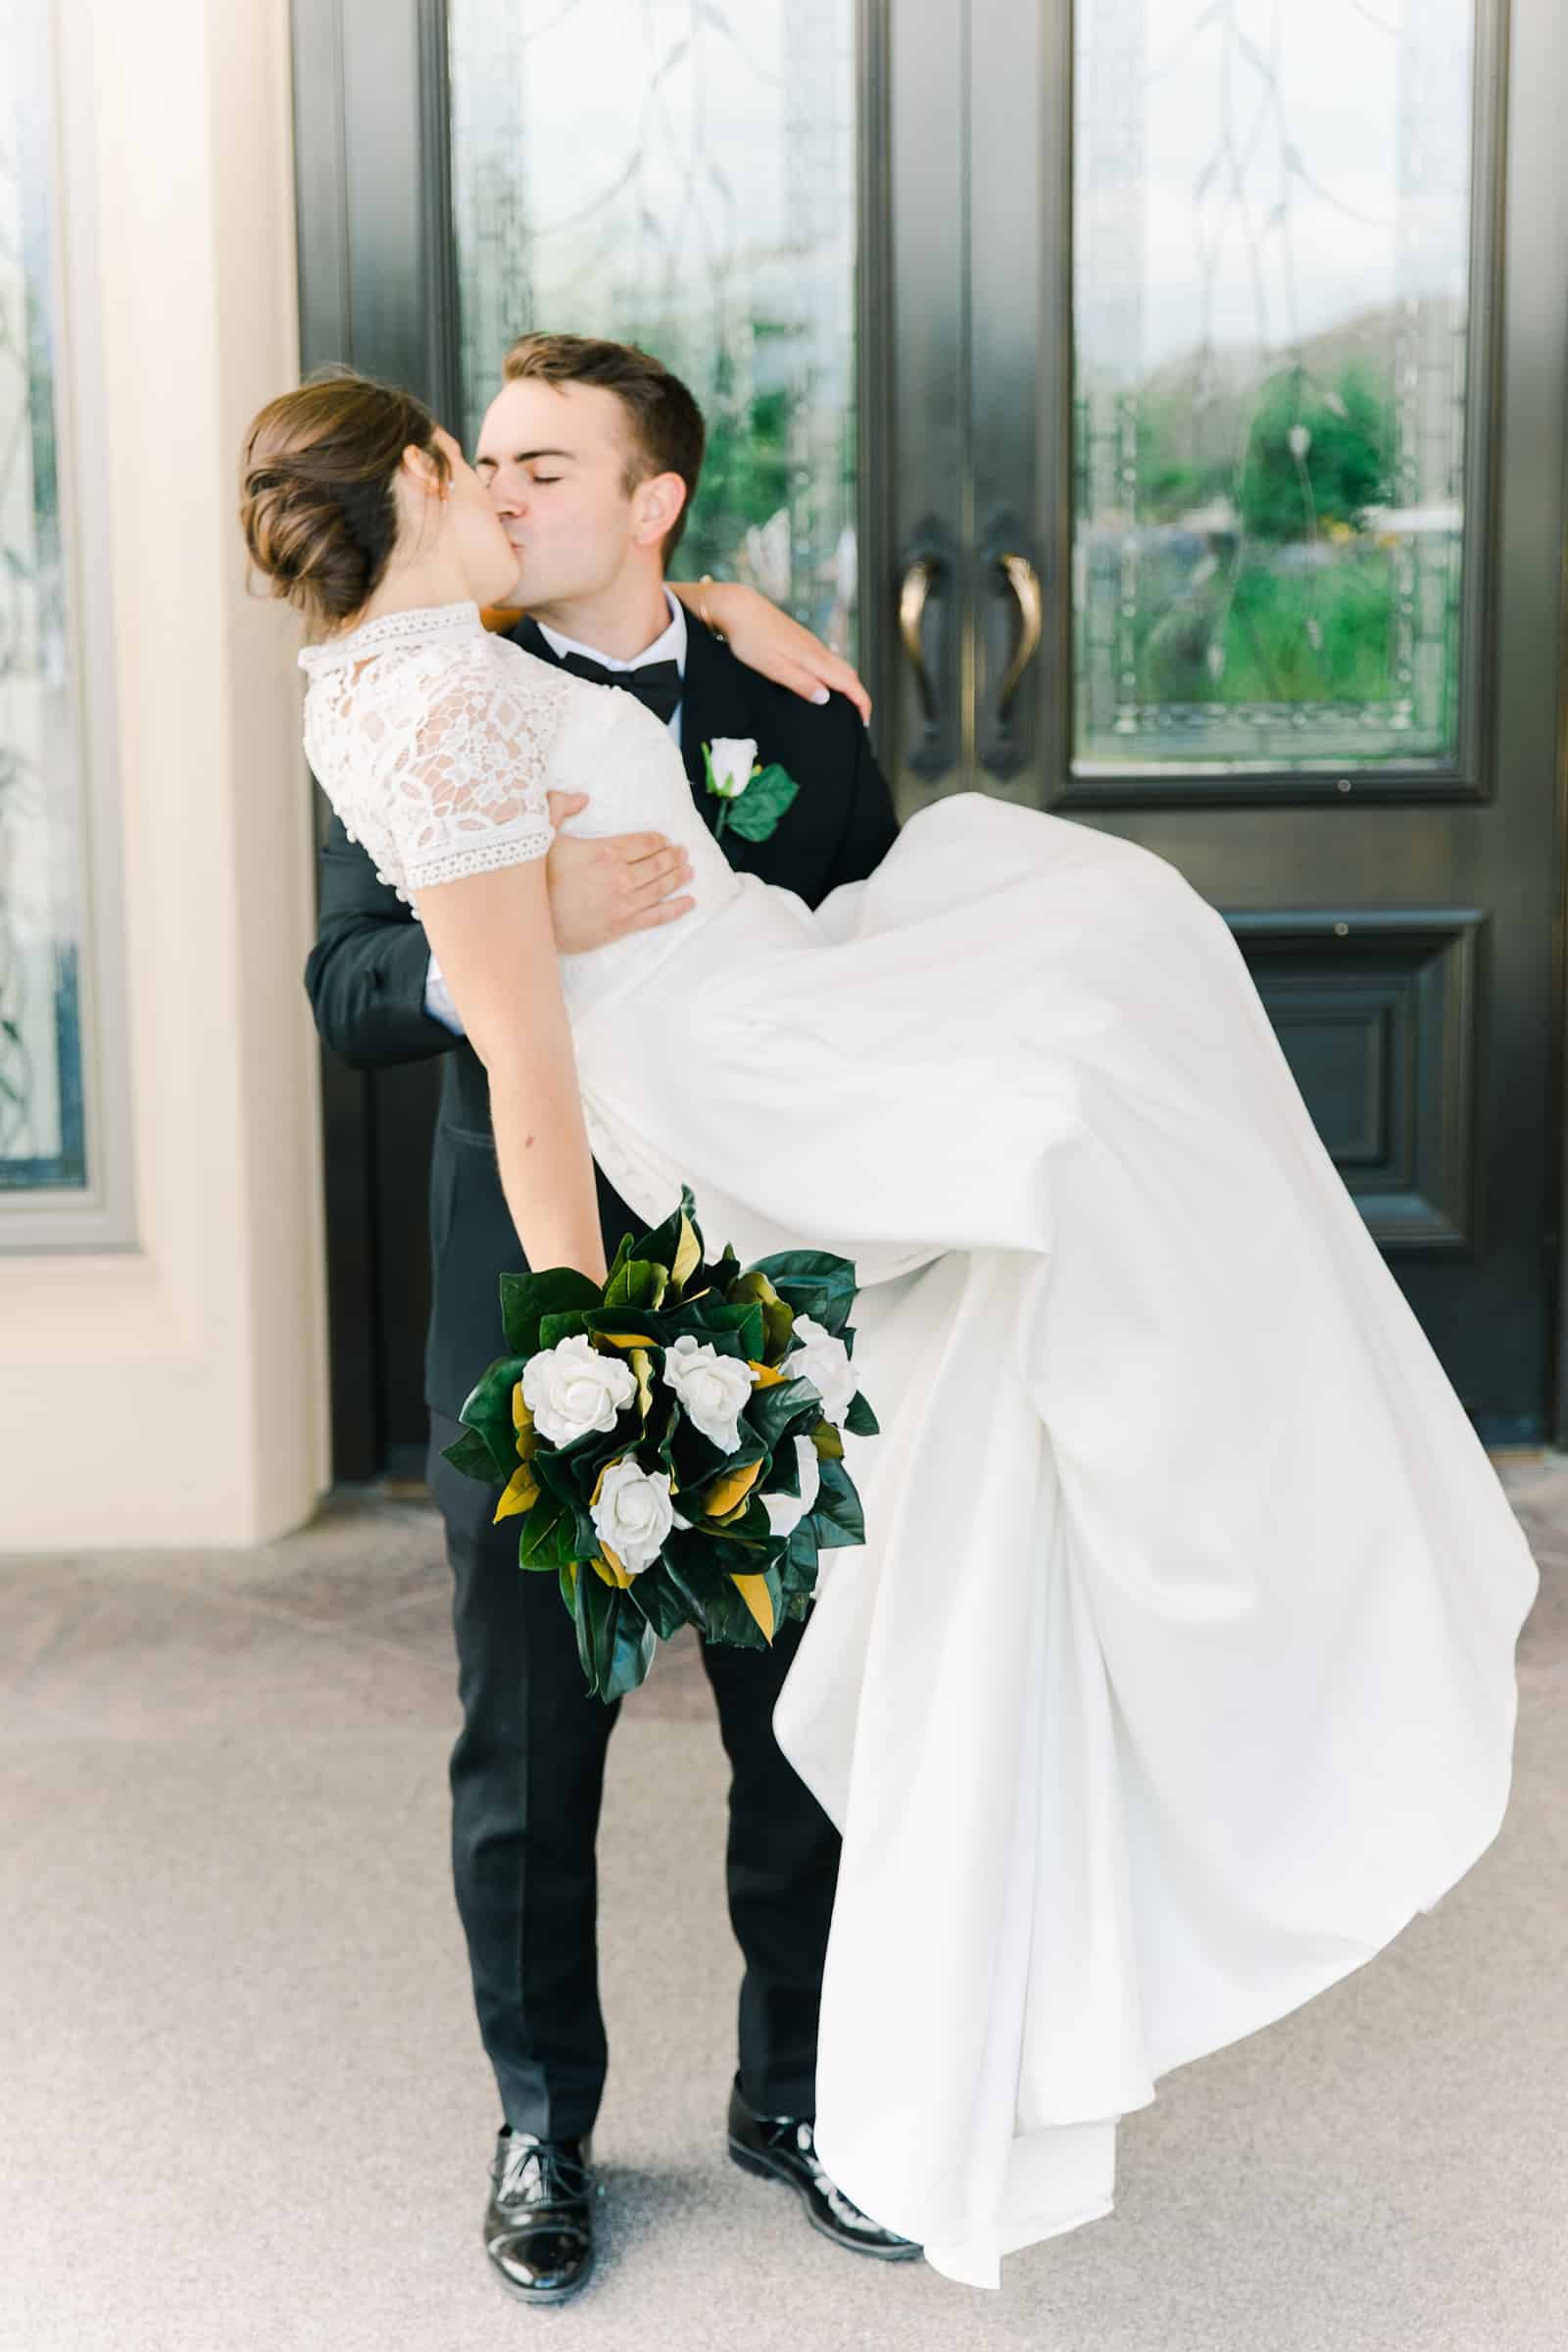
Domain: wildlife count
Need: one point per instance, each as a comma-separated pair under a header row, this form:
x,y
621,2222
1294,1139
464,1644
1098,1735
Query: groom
x,y
591,452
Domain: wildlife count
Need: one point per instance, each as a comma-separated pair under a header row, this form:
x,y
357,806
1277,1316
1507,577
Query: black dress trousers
x,y
528,1773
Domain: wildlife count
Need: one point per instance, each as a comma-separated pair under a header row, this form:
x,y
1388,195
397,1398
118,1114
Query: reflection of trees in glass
x,y
706,213
1262,575
1271,321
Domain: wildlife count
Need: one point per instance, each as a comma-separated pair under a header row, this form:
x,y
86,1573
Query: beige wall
x,y
194,1363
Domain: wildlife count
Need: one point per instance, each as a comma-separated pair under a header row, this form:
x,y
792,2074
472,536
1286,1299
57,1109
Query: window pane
x,y
1270,315
685,179
42,1142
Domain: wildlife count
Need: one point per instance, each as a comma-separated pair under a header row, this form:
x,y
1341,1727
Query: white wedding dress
x,y
1177,1672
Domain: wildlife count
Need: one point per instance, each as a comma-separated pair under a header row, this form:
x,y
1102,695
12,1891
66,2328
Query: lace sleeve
x,y
467,794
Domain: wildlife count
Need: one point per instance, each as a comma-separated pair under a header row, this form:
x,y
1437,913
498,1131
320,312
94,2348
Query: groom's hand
x,y
605,890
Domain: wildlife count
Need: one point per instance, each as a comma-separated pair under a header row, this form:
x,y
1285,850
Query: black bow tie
x,y
656,685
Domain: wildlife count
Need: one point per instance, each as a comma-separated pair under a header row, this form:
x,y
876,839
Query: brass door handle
x,y
918,583
1024,581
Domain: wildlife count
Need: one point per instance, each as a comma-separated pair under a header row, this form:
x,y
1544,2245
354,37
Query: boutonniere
x,y
751,798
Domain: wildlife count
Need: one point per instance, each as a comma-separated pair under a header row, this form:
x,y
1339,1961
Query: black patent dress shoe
x,y
539,2223
784,2148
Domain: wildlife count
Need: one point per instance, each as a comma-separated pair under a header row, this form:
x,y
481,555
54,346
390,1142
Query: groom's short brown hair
x,y
664,423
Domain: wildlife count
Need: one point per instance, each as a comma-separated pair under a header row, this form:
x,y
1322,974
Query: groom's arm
x,y
373,985
366,976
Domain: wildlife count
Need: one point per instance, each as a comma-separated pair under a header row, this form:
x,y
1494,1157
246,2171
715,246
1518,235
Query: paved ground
x,y
243,2104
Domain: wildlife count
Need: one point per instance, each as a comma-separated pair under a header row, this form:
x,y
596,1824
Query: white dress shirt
x,y
670,646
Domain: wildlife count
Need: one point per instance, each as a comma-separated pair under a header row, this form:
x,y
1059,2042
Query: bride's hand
x,y
767,640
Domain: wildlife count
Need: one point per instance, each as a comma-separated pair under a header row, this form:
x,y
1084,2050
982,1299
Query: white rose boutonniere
x,y
634,1514
751,798
711,1388
573,1388
826,1362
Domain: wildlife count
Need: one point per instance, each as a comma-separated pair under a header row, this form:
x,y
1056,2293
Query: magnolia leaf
x,y
569,1586
838,1506
642,1368
754,1592
640,1283
766,1376
770,1410
829,1444
688,1254
548,1538
630,1654
611,1568
552,1329
660,1602
526,1299
752,1290
471,1455
522,1493
859,1420
769,794
664,1242
779,1321
814,1282
488,1410
729,1493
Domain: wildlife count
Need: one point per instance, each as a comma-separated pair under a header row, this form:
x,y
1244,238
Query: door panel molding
x,y
1376,1013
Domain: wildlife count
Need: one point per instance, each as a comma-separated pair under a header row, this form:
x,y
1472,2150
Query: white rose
x,y
732,758
573,1388
786,1511
634,1514
826,1362
711,1389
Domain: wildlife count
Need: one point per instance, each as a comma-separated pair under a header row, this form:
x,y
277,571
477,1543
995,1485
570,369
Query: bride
x,y
1176,1674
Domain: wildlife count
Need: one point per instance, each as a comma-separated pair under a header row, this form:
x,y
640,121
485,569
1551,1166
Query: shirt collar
x,y
670,646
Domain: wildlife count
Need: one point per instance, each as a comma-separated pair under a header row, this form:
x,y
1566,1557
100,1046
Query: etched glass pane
x,y
681,177
1271,271
42,1142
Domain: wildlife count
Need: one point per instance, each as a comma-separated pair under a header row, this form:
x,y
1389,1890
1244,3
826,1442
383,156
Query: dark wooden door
x,y
1243,538
1163,402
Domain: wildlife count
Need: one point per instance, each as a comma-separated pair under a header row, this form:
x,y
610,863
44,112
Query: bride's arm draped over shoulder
x,y
768,641
473,822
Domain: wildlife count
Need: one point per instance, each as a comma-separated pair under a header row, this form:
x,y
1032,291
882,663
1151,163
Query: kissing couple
x,y
1176,1672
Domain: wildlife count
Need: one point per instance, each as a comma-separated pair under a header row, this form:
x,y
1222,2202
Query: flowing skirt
x,y
1176,1673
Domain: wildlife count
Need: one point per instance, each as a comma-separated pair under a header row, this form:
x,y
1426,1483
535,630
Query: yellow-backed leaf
x,y
753,1591
611,1569
766,1376
523,1423
624,1339
748,1289
520,1495
687,1256
600,1480
829,1444
729,1490
642,1366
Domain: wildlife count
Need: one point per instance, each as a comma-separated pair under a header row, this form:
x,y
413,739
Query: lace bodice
x,y
438,745
432,741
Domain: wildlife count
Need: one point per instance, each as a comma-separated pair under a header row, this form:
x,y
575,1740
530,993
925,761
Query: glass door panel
x,y
1271,396
683,178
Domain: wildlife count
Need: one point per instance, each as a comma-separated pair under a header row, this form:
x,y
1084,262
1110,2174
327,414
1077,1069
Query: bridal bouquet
x,y
671,1443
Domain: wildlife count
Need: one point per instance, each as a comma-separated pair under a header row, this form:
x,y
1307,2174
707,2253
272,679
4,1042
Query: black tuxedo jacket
x,y
365,976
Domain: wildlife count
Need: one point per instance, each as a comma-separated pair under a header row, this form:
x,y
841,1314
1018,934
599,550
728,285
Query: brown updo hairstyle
x,y
318,501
